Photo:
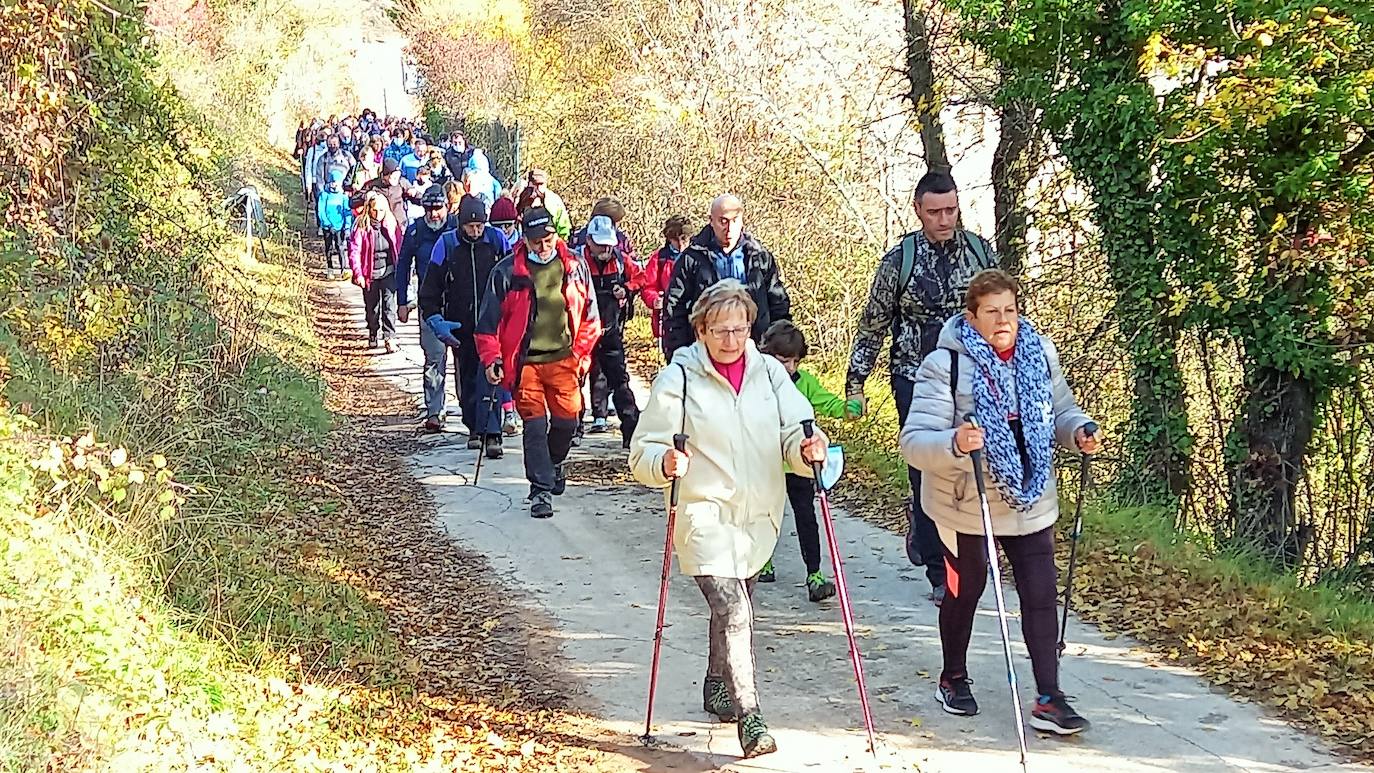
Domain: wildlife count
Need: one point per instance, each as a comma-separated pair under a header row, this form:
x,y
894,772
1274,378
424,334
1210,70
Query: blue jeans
x,y
923,546
436,362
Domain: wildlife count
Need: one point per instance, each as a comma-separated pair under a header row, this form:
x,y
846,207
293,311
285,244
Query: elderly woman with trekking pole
x,y
737,419
994,389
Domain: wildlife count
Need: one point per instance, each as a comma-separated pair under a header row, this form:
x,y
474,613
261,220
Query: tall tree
x,y
925,102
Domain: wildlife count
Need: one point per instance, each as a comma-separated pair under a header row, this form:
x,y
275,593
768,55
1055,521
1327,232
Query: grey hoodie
x,y
948,492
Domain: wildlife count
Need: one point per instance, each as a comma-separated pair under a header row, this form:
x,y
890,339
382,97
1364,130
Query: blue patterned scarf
x,y
1029,372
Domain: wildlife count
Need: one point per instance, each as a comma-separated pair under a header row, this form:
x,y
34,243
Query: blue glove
x,y
442,328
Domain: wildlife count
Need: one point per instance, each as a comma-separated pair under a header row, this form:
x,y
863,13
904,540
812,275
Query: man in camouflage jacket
x,y
913,308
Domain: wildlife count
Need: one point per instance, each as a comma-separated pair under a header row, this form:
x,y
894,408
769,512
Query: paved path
x,y
594,569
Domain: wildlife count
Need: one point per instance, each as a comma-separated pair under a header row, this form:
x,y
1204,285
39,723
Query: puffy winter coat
x,y
508,309
696,270
731,499
948,491
417,245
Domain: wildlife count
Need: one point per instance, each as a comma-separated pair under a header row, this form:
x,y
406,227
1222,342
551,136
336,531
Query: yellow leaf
x,y
159,461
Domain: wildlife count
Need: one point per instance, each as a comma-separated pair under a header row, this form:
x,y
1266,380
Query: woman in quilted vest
x,y
993,364
743,420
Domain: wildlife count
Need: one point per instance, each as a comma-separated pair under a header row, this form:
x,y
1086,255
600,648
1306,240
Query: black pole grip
x,y
680,443
808,427
1091,428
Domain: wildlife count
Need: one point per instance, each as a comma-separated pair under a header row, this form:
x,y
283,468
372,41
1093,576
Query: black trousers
x,y
609,358
379,302
479,398
334,249
922,540
801,493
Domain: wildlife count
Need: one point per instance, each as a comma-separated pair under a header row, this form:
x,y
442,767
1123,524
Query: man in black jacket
x,y
460,269
723,250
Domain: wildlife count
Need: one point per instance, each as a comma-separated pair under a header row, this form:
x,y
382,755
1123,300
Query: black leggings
x,y
801,492
1032,564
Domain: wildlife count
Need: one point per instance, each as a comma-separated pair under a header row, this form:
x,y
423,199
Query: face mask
x,y
541,260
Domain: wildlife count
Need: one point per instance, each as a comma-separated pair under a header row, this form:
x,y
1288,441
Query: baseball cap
x,y
537,223
601,231
390,165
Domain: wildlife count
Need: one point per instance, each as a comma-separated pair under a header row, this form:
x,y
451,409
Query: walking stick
x,y
1084,481
680,443
846,612
487,402
977,457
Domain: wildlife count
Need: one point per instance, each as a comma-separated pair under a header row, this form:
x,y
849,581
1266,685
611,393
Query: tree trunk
x,y
924,102
1276,431
1013,164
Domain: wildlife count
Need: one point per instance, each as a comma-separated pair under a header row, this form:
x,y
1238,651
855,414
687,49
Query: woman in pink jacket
x,y
372,251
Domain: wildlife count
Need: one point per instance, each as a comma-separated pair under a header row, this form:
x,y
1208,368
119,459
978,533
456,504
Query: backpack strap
x,y
976,244
953,380
908,264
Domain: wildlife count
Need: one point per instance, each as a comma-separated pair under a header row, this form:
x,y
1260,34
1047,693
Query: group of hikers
x,y
533,312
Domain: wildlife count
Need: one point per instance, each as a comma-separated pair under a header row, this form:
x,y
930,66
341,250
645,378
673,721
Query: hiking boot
x,y
753,736
372,342
474,442
1053,714
510,423
541,505
715,699
434,423
560,481
956,697
818,588
766,573
937,594
390,346
599,426
494,449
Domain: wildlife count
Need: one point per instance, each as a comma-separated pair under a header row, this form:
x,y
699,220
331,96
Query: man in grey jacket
x,y
918,285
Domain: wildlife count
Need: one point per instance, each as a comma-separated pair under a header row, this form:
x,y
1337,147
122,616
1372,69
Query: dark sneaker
x,y
434,424
1053,714
599,426
818,588
494,449
766,573
372,342
715,699
541,505
474,443
956,697
753,736
560,481
937,594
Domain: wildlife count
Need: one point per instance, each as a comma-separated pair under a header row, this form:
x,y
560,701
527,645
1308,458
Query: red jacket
x,y
656,275
508,311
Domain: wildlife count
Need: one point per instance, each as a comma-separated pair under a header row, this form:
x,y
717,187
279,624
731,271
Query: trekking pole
x,y
1084,481
679,443
487,403
977,457
846,612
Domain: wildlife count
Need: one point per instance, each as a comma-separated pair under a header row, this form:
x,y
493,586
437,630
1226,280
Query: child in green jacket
x,y
786,343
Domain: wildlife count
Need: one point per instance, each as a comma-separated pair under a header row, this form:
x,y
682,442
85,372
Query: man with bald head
x,y
723,250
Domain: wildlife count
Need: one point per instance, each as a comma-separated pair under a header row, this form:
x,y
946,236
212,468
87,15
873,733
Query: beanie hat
x,y
471,210
503,211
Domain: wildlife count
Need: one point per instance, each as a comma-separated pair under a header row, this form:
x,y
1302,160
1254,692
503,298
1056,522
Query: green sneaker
x,y
753,736
766,573
818,588
716,699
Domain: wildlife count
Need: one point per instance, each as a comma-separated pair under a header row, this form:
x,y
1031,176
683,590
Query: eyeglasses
x,y
723,333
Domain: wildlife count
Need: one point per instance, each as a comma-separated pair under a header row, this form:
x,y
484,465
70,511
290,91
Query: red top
x,y
1007,355
733,372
